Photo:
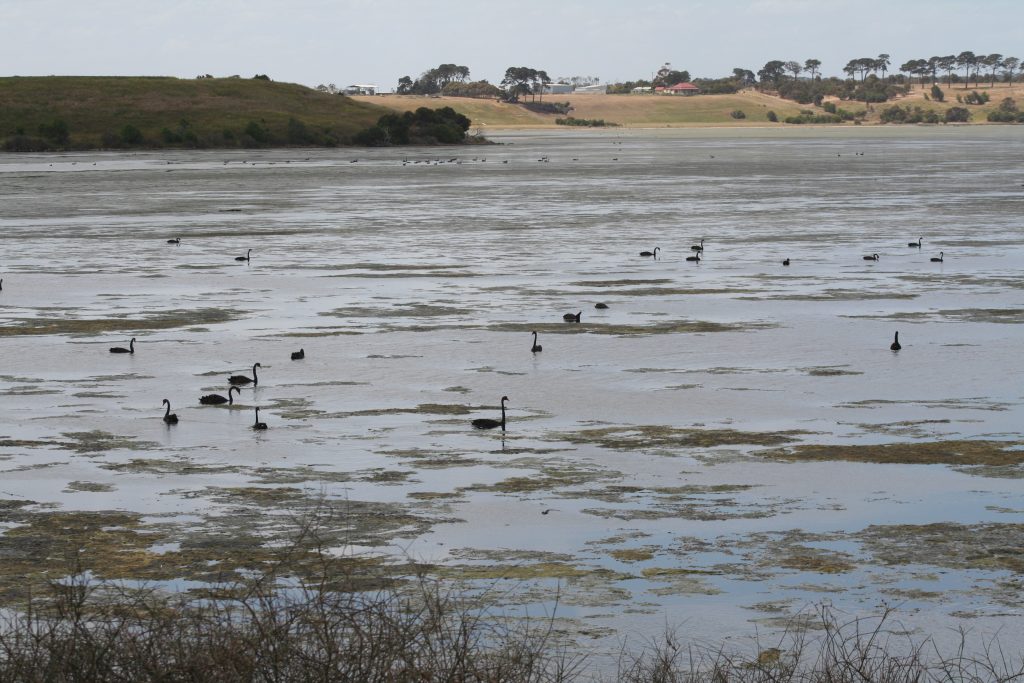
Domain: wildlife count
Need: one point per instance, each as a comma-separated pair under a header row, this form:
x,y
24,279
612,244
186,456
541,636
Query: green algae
x,y
830,371
990,546
98,441
163,466
626,330
667,439
88,486
956,452
632,554
162,320
401,311
433,459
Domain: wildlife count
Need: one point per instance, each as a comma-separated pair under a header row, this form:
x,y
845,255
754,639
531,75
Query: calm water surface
x,y
651,430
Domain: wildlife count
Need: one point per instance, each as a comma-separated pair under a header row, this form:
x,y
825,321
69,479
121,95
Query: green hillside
x,y
76,112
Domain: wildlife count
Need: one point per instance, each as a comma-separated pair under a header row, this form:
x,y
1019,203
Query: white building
x,y
362,89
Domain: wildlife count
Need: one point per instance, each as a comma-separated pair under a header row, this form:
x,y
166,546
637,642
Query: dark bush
x,y
937,94
957,115
25,143
772,116
130,135
257,132
56,131
737,114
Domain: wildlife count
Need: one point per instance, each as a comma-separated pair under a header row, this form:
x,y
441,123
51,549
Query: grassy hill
x,y
658,111
215,112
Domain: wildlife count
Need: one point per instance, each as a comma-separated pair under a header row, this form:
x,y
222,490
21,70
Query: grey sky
x,y
365,41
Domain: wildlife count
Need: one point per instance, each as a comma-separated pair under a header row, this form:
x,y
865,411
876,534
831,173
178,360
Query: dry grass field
x,y
661,111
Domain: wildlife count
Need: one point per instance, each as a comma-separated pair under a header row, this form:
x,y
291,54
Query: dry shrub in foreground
x,y
272,626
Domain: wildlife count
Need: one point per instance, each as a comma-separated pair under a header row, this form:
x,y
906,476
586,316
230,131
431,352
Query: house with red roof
x,y
678,89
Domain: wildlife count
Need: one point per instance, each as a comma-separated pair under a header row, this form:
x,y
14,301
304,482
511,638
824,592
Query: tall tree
x,y
813,66
1010,64
882,64
966,60
771,72
948,64
993,61
794,68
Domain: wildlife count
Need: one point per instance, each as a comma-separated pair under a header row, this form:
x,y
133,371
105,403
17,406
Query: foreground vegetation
x,y
341,618
38,114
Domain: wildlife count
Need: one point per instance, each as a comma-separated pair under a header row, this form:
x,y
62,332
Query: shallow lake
x,y
728,444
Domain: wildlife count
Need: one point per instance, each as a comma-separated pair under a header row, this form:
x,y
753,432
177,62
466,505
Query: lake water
x,y
705,452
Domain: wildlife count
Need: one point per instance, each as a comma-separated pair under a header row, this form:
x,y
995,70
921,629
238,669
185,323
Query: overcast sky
x,y
378,41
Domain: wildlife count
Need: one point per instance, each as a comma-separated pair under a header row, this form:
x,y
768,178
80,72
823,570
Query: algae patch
x,y
964,453
668,439
162,320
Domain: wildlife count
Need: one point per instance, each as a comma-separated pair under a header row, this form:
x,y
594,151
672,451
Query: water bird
x,y
786,262
651,253
1,284
169,417
536,347
544,512
915,244
572,317
938,259
242,379
488,423
244,258
873,257
176,240
698,247
217,399
895,346
600,305
299,355
695,258
257,424
121,349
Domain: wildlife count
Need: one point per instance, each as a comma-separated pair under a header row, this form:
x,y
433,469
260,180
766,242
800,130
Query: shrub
x,y
25,143
937,94
130,135
830,107
737,114
257,132
772,116
974,97
56,131
957,115
592,123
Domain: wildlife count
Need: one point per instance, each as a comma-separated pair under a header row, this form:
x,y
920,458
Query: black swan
x,y
938,259
242,379
786,262
299,355
572,317
536,347
895,346
650,253
695,258
257,424
873,257
176,240
121,349
488,423
602,306
169,417
915,244
244,258
698,247
217,399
